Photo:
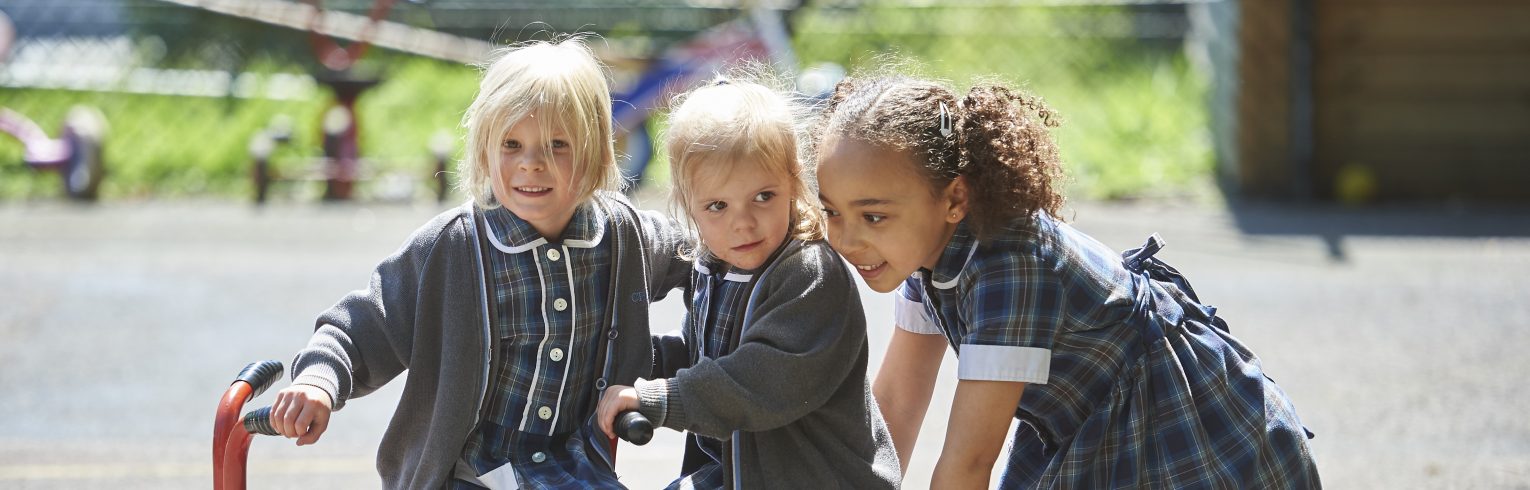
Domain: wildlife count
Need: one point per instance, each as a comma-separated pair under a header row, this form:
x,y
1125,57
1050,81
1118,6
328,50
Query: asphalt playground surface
x,y
1401,333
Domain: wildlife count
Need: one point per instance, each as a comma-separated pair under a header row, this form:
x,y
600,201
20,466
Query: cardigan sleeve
x,y
671,352
366,339
664,239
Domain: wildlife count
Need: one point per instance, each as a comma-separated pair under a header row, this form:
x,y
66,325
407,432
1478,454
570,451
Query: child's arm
x,y
904,385
366,339
806,336
980,416
671,352
1014,309
301,411
667,270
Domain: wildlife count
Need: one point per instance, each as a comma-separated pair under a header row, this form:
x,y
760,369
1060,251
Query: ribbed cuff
x,y
653,399
314,376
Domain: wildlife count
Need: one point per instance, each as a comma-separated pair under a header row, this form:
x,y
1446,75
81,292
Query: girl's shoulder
x,y
815,251
807,272
451,225
1027,247
620,212
808,257
1047,250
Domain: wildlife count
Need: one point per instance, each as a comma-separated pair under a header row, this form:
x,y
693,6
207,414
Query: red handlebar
x,y
231,441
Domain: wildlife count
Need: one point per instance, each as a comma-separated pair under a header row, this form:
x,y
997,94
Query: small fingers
x,y
603,421
606,416
318,422
278,407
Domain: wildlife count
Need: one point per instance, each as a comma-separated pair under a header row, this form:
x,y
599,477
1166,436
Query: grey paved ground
x,y
1400,333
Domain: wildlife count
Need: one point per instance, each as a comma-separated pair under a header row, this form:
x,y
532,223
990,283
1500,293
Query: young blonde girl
x,y
769,372
511,312
1119,377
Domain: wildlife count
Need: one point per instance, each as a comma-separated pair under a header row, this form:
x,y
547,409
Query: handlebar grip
x,y
633,427
258,421
260,375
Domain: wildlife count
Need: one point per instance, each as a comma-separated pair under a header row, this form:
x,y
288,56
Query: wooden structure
x,y
1410,99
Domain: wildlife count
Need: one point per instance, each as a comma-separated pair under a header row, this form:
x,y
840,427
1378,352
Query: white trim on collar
x,y
731,276
956,277
493,239
579,243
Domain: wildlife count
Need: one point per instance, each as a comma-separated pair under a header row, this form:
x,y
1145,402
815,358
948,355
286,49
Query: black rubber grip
x,y
633,427
258,421
260,375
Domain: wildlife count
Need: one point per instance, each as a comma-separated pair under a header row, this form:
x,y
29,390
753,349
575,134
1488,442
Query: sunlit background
x,y
185,183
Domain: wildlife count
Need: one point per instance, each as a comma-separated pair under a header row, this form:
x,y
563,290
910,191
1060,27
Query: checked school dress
x,y
550,305
1131,383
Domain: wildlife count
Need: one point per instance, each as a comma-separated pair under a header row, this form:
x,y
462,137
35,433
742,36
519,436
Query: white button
x,y
544,412
560,305
538,457
556,354
553,255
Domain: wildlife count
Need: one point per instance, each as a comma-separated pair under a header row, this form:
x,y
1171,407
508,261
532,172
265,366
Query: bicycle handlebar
x,y
260,375
633,427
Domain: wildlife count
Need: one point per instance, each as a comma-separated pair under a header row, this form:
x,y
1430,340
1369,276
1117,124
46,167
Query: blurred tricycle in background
x,y
75,154
342,165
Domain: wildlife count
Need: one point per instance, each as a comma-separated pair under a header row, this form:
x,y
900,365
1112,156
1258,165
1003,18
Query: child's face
x,y
882,216
742,213
534,176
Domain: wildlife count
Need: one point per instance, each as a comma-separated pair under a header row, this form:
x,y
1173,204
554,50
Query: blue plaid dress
x,y
720,293
548,310
1131,383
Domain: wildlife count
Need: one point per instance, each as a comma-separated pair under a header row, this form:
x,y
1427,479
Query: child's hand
x,y
617,399
301,411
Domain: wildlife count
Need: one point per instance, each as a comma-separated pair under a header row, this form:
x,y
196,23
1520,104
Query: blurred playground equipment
x,y
760,36
75,154
342,164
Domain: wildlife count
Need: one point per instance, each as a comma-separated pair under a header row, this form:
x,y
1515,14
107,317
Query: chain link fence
x,y
185,91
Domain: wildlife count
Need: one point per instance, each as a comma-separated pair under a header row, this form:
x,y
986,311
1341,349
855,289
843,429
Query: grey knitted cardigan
x,y
791,399
426,311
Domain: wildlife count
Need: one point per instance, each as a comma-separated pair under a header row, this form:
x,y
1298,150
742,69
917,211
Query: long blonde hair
x,y
561,80
740,119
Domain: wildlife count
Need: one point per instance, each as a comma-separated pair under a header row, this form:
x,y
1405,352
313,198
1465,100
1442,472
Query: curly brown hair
x,y
998,138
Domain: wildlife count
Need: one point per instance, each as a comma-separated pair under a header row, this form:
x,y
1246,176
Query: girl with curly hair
x,y
1119,376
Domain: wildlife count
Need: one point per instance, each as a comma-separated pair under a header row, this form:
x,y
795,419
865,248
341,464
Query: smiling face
x,y
882,214
742,212
533,175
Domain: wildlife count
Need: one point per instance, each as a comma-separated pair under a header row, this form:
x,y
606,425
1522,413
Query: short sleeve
x,y
1014,308
909,311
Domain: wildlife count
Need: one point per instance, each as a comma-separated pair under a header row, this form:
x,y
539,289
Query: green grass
x,y
166,146
1134,118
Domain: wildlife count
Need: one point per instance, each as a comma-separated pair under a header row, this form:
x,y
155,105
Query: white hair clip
x,y
945,121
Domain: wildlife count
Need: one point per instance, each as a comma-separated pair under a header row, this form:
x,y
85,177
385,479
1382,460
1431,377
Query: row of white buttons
x,y
556,354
